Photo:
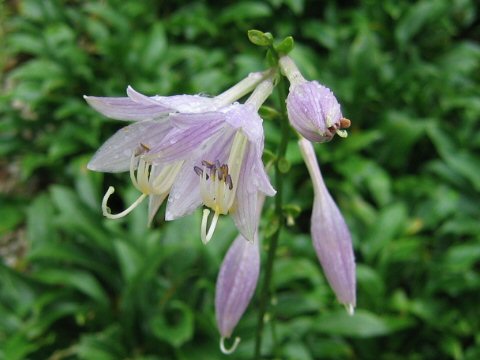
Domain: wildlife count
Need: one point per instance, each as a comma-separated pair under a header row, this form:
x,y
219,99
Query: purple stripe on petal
x,y
236,283
181,143
186,121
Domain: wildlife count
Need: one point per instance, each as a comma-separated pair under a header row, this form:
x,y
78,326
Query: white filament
x,y
106,210
232,349
207,236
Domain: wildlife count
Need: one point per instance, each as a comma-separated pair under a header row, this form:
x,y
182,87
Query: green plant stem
x,y
265,294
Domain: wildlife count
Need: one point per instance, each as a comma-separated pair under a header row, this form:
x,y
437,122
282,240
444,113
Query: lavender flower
x,y
312,108
331,238
223,168
236,284
127,149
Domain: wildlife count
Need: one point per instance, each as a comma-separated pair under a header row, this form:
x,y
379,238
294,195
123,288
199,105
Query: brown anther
x,y
345,123
223,172
228,181
213,171
141,149
198,170
207,164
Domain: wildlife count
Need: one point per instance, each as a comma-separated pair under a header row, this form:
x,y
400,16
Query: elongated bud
x,y
312,108
331,237
236,283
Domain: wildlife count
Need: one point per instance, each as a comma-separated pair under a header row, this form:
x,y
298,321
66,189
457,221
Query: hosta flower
x,y
331,238
312,108
223,169
126,150
235,286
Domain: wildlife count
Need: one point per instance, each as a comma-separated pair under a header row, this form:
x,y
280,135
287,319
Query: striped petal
x,y
114,155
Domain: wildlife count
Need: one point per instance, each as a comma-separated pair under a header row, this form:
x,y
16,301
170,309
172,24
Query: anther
x,y
345,123
198,170
207,164
228,181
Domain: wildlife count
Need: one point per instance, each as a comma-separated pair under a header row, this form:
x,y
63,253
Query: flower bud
x,y
312,108
331,238
236,284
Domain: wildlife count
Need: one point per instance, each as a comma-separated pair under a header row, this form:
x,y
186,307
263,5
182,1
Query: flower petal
x,y
114,155
185,194
154,203
236,283
245,117
188,103
245,210
181,143
124,108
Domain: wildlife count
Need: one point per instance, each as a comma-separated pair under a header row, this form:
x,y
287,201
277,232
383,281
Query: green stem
x,y
265,294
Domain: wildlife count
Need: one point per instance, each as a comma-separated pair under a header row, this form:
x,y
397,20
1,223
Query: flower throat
x,y
218,184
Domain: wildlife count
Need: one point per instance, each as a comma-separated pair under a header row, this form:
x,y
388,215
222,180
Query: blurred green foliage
x,y
76,286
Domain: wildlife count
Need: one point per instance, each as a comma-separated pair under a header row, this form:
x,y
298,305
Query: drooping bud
x,y
331,237
236,284
312,108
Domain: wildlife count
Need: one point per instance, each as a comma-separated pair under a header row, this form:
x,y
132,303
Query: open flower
x,y
312,108
126,150
223,169
331,238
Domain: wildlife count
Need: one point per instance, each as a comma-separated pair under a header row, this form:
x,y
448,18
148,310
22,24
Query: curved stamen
x,y
106,210
341,133
207,236
232,348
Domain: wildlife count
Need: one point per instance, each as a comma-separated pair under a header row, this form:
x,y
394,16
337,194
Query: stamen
x,y
232,348
206,237
341,133
106,210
